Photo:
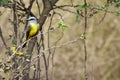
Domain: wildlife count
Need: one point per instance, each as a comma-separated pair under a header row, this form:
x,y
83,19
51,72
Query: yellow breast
x,y
34,28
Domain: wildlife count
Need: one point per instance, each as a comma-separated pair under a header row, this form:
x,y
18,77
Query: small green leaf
x,y
27,55
100,7
116,1
3,2
106,5
14,41
83,36
82,6
77,19
117,13
1,70
103,7
95,12
85,5
117,5
62,25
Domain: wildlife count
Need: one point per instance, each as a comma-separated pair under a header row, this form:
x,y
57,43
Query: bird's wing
x,y
27,31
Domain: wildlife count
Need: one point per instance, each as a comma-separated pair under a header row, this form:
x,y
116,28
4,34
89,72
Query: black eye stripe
x,y
32,19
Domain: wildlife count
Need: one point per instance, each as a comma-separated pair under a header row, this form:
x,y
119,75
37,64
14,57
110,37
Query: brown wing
x,y
27,34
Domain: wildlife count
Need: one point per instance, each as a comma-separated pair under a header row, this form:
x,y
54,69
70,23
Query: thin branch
x,y
108,11
84,42
44,57
22,3
15,17
104,14
103,17
63,6
51,18
47,8
3,40
38,7
30,4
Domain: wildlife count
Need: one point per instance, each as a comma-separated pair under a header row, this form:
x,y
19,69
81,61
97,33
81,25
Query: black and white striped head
x,y
32,20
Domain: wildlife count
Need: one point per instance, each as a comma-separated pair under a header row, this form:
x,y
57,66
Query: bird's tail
x,y
27,37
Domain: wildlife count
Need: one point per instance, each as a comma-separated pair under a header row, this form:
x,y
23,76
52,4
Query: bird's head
x,y
32,20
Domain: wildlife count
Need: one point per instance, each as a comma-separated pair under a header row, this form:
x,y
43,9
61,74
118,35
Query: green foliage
x,y
62,25
117,13
82,6
1,70
78,8
103,7
25,55
77,19
83,36
14,40
3,2
117,3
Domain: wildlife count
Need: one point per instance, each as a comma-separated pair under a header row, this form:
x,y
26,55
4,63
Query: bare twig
x,y
44,57
38,74
102,10
51,18
84,42
15,18
2,38
38,7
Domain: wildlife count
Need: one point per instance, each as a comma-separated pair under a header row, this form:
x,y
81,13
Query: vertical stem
x,y
85,26
38,68
85,49
2,38
85,59
15,18
44,58
38,74
39,48
15,21
38,7
49,38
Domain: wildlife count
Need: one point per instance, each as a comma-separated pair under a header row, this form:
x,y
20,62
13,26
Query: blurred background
x,y
102,40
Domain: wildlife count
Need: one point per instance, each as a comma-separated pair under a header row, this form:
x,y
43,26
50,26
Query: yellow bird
x,y
32,28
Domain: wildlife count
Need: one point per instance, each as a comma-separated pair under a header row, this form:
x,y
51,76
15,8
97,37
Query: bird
x,y
32,28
